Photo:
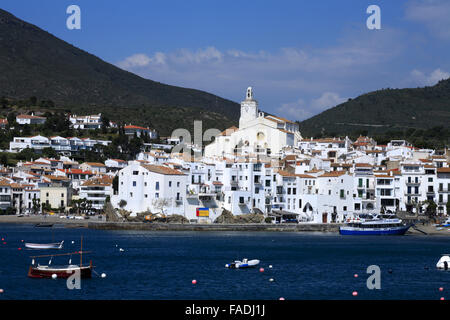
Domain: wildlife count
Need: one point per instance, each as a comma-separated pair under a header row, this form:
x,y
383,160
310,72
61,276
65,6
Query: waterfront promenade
x,y
95,223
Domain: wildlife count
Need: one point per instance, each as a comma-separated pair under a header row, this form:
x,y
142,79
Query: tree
x,y
122,203
431,208
161,204
4,159
36,206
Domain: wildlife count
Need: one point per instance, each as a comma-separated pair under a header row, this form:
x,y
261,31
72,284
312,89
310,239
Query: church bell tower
x,y
249,109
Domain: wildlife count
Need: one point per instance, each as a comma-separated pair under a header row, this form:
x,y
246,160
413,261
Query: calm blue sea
x,y
162,265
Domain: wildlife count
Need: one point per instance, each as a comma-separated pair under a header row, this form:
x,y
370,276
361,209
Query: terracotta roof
x,y
332,174
27,116
363,165
217,183
161,169
278,118
5,183
95,164
229,131
98,181
443,170
135,127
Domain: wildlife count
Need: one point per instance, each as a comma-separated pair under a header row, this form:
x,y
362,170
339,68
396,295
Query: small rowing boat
x,y
43,246
245,263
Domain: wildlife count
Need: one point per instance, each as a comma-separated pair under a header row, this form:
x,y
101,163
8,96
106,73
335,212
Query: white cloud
x,y
350,66
327,100
423,79
299,110
140,60
434,14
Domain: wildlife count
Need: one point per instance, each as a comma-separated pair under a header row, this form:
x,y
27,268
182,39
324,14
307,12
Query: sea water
x,y
161,265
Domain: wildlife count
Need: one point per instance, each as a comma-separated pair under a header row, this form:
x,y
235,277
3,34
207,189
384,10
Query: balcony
x,y
413,183
412,194
442,190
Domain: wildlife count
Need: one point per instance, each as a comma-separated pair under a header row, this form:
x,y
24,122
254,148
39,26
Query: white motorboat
x,y
444,262
245,263
56,245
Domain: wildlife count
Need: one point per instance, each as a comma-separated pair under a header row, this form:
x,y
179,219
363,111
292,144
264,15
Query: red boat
x,y
60,271
48,271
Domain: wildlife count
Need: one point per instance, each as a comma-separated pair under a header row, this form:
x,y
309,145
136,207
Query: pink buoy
x,y
1,290
19,248
441,289
442,298
261,269
354,293
281,298
355,275
194,281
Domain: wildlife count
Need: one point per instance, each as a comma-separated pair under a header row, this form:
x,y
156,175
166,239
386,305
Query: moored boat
x,y
444,262
55,245
64,271
46,271
245,263
369,224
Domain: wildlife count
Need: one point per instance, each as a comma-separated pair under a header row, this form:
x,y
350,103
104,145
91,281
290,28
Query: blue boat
x,y
370,224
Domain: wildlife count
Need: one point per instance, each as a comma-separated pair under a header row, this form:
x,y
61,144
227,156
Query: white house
x,y
152,187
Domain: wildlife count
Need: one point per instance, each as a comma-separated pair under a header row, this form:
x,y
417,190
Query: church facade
x,y
258,134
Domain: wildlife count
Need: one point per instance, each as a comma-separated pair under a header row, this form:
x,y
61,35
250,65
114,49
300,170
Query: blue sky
x,y
301,57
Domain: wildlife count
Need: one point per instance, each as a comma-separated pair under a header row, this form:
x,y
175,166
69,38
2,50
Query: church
x,y
258,134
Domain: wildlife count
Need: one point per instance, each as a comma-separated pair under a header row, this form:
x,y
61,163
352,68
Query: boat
x,y
44,225
444,262
374,224
446,224
245,263
56,245
63,271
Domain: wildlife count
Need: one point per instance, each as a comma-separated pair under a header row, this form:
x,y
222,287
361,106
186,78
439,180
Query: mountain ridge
x,y
33,62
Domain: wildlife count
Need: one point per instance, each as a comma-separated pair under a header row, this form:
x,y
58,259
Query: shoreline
x,y
430,230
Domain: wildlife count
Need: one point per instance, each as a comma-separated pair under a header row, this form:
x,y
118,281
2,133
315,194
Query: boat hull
x,y
43,246
35,272
375,231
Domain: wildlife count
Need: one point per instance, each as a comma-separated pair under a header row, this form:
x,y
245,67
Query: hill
x,y
398,113
34,63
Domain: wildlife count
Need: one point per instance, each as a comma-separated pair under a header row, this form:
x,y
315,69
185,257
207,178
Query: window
x,y
134,183
157,185
178,184
135,173
170,184
157,195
